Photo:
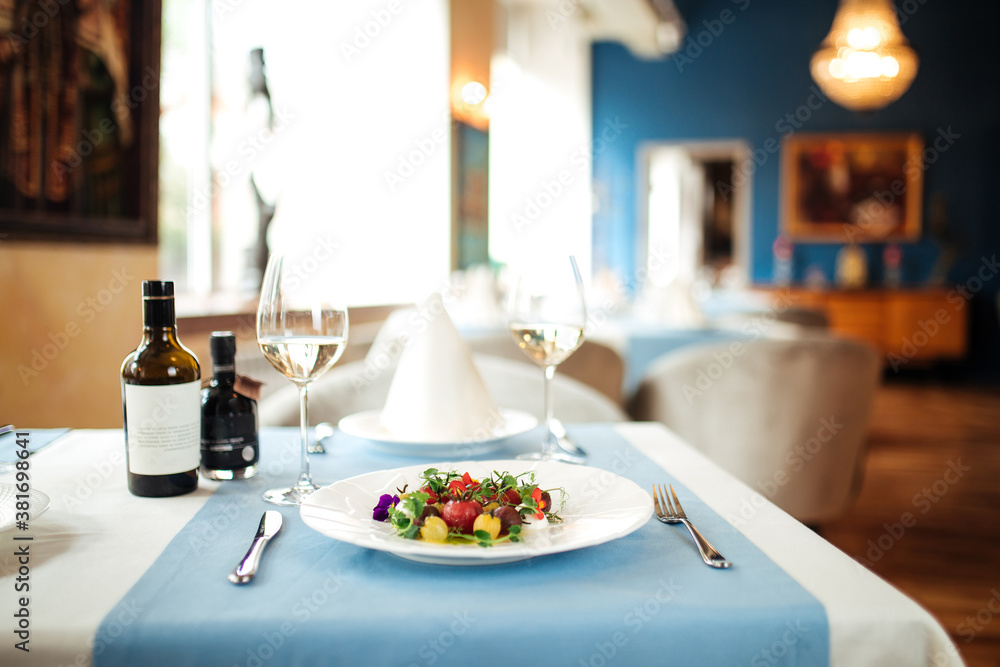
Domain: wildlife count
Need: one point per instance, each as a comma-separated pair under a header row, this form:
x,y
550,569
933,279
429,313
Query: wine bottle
x,y
228,418
161,402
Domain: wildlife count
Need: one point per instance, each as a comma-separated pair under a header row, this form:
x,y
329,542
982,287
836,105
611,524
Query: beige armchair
x,y
787,417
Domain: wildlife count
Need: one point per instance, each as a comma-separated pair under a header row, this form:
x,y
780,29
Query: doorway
x,y
695,215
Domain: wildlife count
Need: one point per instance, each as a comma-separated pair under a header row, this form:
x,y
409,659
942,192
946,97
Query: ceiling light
x,y
865,62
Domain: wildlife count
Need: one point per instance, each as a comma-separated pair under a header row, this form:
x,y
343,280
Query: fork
x,y
675,514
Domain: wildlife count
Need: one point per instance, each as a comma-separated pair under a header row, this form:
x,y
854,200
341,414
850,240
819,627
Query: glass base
x,y
290,496
551,456
239,473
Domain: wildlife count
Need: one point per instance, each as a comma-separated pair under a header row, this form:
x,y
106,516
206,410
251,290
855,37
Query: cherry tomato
x,y
461,514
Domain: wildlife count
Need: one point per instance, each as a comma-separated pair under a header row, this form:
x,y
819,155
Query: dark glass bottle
x,y
161,409
228,418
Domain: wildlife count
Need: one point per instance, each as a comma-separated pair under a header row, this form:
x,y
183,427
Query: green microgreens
x,y
483,539
404,514
438,481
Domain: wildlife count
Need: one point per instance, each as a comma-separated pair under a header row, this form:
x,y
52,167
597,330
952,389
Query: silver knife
x,y
269,526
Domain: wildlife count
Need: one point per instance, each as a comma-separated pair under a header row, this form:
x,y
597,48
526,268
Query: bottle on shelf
x,y
228,417
161,405
892,259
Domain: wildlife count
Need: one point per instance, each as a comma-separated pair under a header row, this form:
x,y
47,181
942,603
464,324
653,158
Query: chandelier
x,y
865,62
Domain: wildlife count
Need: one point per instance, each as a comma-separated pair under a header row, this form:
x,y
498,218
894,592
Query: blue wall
x,y
755,71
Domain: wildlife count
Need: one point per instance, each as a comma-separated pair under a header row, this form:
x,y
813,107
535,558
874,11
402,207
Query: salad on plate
x,y
454,508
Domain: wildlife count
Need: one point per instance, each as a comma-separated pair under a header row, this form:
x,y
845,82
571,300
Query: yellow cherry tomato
x,y
490,524
434,529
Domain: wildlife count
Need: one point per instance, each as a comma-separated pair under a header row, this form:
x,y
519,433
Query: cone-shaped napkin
x,y
437,394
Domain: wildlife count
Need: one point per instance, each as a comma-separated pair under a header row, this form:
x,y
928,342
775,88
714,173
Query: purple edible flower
x,y
381,511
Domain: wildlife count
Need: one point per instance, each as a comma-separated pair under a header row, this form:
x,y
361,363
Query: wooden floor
x,y
935,454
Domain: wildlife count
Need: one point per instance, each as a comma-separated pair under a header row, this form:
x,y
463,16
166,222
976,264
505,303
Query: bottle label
x,y
230,443
163,427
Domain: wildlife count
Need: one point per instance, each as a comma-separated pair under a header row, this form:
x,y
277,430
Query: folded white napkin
x,y
436,394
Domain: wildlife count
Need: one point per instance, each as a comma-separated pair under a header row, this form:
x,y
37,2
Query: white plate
x,y
368,425
38,502
599,507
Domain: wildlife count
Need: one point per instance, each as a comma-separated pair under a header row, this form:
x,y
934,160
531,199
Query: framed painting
x,y
79,106
852,187
470,179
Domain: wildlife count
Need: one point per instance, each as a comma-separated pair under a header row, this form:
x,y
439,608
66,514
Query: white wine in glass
x,y
547,314
302,333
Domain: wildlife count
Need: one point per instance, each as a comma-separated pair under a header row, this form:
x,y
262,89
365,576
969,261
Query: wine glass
x,y
547,314
302,333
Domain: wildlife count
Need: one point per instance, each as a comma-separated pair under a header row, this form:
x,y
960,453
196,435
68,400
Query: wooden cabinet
x,y
904,325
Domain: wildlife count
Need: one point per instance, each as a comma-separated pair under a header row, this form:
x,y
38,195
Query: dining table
x,y
96,576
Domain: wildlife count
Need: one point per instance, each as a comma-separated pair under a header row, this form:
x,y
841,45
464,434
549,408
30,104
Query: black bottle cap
x,y
158,304
222,345
157,288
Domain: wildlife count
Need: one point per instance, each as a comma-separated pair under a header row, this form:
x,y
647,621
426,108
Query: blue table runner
x,y
644,345
643,599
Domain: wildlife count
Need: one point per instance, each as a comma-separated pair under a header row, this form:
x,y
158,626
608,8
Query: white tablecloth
x,y
96,540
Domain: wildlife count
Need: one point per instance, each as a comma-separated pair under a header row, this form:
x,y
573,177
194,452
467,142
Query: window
x,y
353,149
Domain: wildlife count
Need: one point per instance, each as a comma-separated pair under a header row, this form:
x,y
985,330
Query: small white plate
x,y
38,502
368,425
599,507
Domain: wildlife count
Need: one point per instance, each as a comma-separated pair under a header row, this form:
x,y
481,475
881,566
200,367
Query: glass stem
x,y
305,479
549,443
